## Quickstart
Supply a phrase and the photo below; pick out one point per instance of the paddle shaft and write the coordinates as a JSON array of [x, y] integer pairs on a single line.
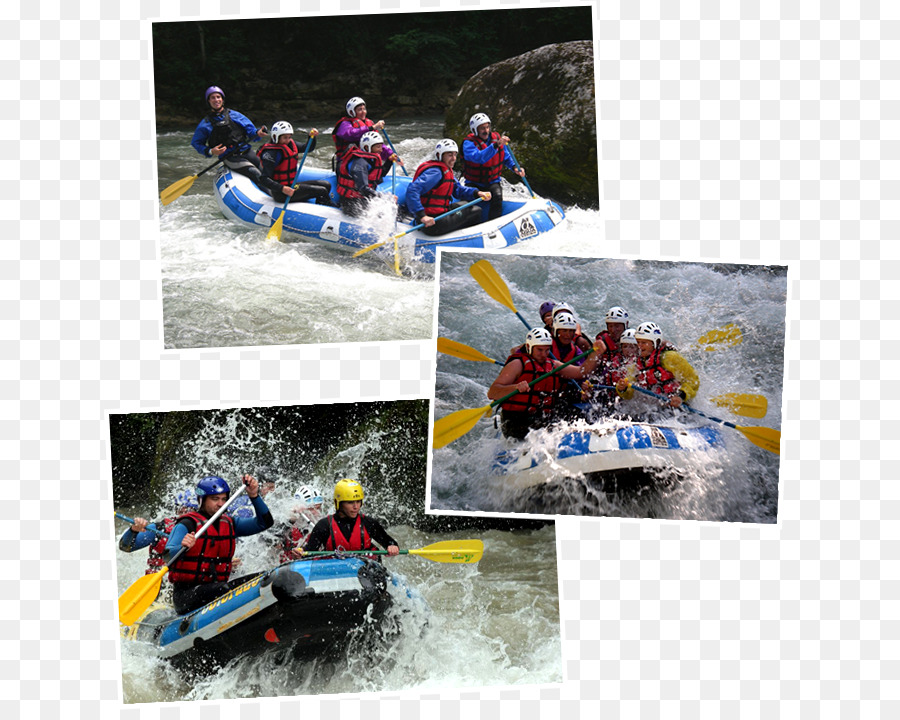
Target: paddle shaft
[[519, 167], [442, 215], [130, 521], [393, 149]]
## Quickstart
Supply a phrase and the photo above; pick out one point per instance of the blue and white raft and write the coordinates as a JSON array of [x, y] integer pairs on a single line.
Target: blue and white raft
[[612, 449], [300, 606], [241, 201]]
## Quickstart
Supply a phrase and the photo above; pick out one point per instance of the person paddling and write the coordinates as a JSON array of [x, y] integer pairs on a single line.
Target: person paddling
[[202, 573], [142, 533], [534, 406], [434, 189], [661, 369], [279, 160], [484, 156], [348, 132], [359, 172], [305, 513], [348, 528], [223, 131]]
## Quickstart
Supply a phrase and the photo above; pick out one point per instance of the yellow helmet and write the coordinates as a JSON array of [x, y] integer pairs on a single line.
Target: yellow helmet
[[347, 491]]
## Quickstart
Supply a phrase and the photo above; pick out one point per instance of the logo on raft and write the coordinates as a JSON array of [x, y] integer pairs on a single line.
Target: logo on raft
[[231, 594]]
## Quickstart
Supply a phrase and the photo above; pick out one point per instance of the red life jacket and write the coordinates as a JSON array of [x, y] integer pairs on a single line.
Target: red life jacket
[[287, 168], [540, 396], [654, 377], [346, 186], [612, 347], [437, 200], [562, 354], [340, 145], [156, 559], [210, 558], [484, 173], [359, 537], [291, 539]]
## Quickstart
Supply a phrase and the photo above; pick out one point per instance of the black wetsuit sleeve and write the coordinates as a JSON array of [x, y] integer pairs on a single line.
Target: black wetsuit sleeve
[[269, 160], [378, 533], [319, 535]]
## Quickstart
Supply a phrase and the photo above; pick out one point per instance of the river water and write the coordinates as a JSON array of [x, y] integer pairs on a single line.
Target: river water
[[493, 623], [226, 285], [686, 300]]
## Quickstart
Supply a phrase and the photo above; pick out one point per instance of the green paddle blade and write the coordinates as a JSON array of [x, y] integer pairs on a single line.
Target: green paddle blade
[[493, 284], [746, 404], [463, 352], [136, 599], [177, 189], [763, 437], [452, 551], [727, 336], [275, 231], [455, 425]]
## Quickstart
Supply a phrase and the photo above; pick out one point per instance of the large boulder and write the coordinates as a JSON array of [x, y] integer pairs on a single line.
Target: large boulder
[[544, 101]]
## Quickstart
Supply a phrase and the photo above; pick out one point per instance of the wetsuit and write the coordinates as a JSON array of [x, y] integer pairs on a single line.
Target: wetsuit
[[279, 167], [322, 532], [235, 132]]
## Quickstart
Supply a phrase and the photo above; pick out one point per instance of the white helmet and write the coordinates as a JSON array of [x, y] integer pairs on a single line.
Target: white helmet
[[563, 307], [564, 321], [308, 496], [535, 337], [476, 120], [628, 338], [617, 315], [649, 331], [282, 127], [352, 104], [445, 145], [369, 139]]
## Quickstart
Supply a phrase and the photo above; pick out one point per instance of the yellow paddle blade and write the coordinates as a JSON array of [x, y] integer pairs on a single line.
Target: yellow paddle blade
[[755, 406], [275, 231], [177, 189], [396, 256], [136, 599], [463, 352], [452, 551], [492, 283], [763, 437], [727, 336], [457, 424]]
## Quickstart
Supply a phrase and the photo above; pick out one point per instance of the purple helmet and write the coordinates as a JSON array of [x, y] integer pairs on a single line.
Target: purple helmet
[[213, 89], [545, 308]]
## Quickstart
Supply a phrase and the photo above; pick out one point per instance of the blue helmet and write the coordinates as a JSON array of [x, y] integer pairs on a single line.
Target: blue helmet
[[212, 485], [213, 89], [185, 500]]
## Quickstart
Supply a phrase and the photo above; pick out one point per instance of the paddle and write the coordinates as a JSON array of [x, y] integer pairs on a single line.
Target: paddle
[[727, 336], [763, 437], [393, 150], [755, 406], [464, 352], [130, 521], [455, 425], [493, 285], [415, 227], [275, 231], [180, 187], [446, 551], [519, 167], [136, 599]]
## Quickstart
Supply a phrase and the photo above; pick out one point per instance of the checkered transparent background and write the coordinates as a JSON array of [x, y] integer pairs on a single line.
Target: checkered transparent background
[[737, 133]]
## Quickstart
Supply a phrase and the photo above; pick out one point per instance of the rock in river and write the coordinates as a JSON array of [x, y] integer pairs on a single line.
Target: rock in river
[[544, 101]]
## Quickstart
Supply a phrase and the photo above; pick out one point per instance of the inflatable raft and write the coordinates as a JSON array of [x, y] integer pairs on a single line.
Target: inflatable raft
[[302, 606], [609, 453], [241, 201]]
